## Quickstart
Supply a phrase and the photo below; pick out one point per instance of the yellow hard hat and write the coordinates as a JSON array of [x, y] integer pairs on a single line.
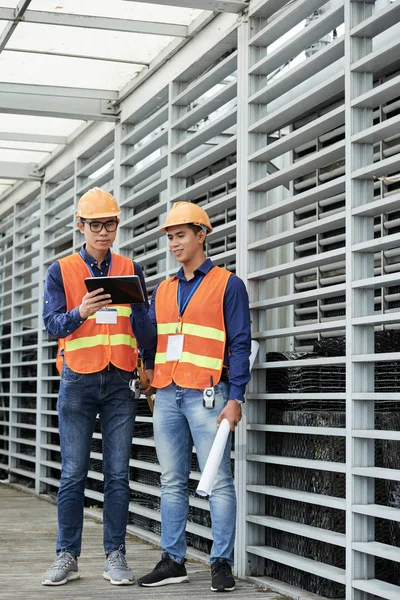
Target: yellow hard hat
[[97, 203], [184, 213]]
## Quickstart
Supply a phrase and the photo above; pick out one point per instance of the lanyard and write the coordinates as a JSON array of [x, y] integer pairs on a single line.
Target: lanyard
[[182, 307]]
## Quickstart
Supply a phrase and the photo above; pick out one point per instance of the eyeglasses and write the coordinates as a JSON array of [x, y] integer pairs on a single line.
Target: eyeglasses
[[97, 226]]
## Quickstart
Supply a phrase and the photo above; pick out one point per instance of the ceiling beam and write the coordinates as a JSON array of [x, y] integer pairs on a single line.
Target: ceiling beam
[[8, 136], [62, 102], [20, 171], [231, 6], [68, 55], [17, 15], [58, 91], [104, 23], [9, 29]]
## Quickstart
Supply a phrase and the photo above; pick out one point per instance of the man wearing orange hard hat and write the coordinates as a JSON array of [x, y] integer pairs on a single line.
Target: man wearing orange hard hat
[[201, 371], [96, 358]]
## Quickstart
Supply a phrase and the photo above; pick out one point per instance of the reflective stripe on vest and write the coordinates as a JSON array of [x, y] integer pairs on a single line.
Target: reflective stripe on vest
[[203, 327], [113, 343], [195, 359], [100, 340], [189, 328]]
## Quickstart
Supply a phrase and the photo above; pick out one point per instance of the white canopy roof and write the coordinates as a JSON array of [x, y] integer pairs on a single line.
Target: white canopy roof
[[65, 62]]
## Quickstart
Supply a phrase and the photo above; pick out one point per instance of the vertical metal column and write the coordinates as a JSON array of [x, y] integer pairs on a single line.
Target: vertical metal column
[[360, 302], [41, 386], [241, 271]]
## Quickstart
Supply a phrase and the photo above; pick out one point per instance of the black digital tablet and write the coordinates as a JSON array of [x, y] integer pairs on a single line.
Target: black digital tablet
[[124, 289]]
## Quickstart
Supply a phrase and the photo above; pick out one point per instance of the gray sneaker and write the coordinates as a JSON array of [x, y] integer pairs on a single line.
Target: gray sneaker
[[63, 569], [116, 570]]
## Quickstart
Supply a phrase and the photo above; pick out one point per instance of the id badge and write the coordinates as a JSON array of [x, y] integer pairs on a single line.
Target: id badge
[[174, 347], [106, 316]]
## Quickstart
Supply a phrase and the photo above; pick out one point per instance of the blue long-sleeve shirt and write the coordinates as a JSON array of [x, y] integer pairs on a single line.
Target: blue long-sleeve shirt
[[237, 325], [59, 322]]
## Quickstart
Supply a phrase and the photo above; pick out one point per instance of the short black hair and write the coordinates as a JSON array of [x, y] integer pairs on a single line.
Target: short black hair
[[196, 229]]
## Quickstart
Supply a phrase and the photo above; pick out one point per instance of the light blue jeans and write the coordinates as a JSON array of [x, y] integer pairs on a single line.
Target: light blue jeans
[[80, 399], [179, 421]]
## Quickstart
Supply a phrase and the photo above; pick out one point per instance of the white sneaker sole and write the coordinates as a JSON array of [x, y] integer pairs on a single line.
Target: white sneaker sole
[[70, 577], [121, 582], [171, 580], [221, 589]]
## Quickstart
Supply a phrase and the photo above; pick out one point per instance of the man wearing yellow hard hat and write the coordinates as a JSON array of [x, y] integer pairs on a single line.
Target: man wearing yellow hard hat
[[200, 373], [97, 354]]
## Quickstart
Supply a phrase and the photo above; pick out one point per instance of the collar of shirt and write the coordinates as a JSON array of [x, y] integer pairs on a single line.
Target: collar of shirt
[[92, 261], [202, 270]]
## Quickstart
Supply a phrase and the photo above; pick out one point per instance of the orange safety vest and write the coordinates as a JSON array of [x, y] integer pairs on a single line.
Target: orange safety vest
[[203, 327], [92, 346]]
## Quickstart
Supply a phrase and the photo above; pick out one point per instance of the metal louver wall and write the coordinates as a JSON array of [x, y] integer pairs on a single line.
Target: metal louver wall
[[284, 125]]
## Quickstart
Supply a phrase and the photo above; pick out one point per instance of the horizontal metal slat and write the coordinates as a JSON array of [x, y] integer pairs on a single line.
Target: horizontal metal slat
[[266, 9], [299, 562], [205, 109], [317, 294], [206, 184], [302, 463], [314, 228], [386, 204], [314, 97], [146, 215], [377, 473], [380, 589], [308, 262], [378, 21], [308, 132], [378, 511], [298, 496], [210, 156], [294, 13], [379, 95], [315, 161], [153, 167], [378, 60], [290, 331], [145, 127], [376, 245], [315, 30], [378, 169], [204, 134], [378, 132], [207, 81], [96, 163], [373, 434], [295, 76], [298, 429], [376, 282], [314, 533], [138, 154], [146, 193]]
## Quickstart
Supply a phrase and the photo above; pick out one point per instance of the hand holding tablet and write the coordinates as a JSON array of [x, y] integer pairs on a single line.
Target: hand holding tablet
[[123, 289]]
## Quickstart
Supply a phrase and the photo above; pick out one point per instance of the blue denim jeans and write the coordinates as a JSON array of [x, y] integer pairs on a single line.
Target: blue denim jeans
[[179, 421], [80, 399]]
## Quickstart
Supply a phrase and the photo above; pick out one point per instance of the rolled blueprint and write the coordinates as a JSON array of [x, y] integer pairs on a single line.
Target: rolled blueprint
[[214, 459], [217, 449], [254, 349]]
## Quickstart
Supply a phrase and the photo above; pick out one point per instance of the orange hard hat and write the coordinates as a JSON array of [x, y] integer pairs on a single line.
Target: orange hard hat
[[184, 213], [97, 203]]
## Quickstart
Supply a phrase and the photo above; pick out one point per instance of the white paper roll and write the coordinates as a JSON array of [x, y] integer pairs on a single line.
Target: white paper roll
[[214, 459], [254, 349]]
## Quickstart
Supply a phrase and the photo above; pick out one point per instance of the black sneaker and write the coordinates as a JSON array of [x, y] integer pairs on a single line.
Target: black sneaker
[[221, 576], [165, 572]]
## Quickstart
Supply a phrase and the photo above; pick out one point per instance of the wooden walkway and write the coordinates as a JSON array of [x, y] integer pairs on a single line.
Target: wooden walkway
[[27, 535]]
